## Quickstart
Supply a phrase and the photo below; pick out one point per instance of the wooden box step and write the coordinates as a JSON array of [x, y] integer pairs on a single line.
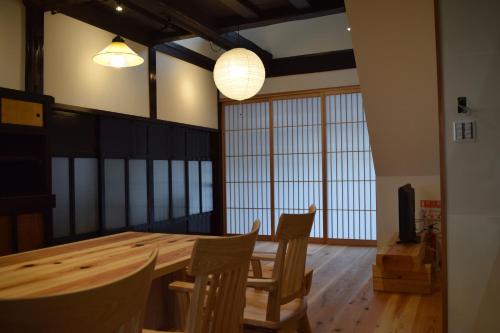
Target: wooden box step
[[401, 268]]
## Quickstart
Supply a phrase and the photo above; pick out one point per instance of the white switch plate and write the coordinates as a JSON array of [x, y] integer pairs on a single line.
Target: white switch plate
[[464, 131]]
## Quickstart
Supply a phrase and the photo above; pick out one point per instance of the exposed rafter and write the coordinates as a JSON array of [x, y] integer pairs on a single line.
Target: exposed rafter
[[312, 63], [300, 4], [183, 53], [242, 8], [164, 13]]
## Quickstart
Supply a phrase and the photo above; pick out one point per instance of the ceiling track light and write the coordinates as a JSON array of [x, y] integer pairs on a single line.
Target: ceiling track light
[[119, 7]]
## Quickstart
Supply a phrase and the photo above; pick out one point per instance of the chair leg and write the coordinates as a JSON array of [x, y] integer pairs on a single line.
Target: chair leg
[[304, 326]]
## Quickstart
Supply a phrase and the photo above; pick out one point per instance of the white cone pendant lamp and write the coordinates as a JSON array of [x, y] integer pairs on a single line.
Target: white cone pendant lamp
[[239, 74], [118, 55]]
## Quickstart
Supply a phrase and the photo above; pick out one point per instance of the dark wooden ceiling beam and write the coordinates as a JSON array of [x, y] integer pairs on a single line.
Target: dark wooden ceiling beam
[[312, 63], [243, 8], [185, 54], [105, 18], [300, 4], [280, 16], [198, 27]]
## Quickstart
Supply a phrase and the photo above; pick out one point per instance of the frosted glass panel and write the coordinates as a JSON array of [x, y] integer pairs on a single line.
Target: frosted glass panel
[[247, 161], [178, 189], [351, 175], [138, 192], [207, 187], [298, 174], [194, 187], [60, 188], [160, 185], [86, 195], [114, 193]]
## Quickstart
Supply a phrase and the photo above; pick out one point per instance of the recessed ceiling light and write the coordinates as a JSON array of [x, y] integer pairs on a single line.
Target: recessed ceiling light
[[119, 8], [348, 28]]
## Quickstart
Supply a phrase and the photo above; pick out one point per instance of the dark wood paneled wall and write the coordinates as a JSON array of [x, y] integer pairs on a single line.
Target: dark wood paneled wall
[[82, 133]]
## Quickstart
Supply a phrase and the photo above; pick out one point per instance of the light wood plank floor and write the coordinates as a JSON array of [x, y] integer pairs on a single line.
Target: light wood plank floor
[[342, 298]]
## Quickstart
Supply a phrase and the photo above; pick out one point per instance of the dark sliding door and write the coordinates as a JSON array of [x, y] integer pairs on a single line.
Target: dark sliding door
[[114, 173]]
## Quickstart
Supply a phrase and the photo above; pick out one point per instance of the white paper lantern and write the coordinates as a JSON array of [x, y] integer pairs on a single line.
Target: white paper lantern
[[239, 74]]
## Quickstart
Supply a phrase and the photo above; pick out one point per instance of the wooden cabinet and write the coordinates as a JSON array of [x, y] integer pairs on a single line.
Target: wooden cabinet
[[25, 191], [17, 112]]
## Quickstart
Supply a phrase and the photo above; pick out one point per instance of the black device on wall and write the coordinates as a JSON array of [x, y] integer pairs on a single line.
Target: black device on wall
[[407, 229]]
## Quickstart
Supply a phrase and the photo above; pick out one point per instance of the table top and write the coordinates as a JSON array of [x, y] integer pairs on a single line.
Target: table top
[[89, 263]]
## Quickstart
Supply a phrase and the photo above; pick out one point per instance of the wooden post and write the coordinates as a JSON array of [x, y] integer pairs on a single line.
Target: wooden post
[[153, 112], [33, 75]]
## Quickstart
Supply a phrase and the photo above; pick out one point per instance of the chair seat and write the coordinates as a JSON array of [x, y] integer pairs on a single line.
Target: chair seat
[[256, 306]]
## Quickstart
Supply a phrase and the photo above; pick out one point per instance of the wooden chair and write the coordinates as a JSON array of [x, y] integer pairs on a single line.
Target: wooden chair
[[278, 303], [220, 269], [112, 307]]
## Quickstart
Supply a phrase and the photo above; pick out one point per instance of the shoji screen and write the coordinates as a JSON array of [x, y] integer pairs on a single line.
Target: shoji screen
[[351, 175], [297, 158], [247, 167], [318, 148]]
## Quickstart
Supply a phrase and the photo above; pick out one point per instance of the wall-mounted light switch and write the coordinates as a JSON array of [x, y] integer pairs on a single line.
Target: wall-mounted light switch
[[464, 131]]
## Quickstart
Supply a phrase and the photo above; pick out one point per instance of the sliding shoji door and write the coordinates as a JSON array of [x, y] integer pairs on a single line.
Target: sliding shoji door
[[350, 170], [309, 149], [247, 167], [297, 158]]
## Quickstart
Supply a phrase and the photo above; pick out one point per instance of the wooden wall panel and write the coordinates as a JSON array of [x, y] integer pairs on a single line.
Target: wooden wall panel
[[6, 241], [30, 232]]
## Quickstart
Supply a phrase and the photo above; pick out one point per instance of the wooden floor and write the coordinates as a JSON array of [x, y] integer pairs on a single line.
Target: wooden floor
[[342, 298]]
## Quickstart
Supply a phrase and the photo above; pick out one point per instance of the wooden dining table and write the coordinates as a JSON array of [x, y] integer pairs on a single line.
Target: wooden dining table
[[88, 263]]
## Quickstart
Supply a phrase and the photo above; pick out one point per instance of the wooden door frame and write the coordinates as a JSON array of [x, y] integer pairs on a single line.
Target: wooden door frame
[[442, 170]]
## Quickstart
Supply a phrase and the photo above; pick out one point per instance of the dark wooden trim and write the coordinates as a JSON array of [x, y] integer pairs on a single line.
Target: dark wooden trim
[[150, 191], [200, 187], [26, 204], [312, 63], [183, 53], [97, 112], [127, 196], [14, 233], [33, 75], [101, 183], [170, 199], [153, 106], [186, 192], [72, 215]]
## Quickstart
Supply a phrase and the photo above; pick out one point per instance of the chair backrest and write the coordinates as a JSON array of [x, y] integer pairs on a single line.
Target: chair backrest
[[113, 307], [292, 235], [220, 267]]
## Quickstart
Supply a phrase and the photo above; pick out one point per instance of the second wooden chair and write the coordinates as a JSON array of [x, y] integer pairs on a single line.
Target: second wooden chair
[[278, 303]]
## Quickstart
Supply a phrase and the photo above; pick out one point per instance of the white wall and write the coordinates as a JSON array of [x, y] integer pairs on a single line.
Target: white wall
[[12, 45], [470, 57], [395, 49], [426, 188], [73, 78], [341, 78], [186, 93], [320, 34], [202, 46]]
